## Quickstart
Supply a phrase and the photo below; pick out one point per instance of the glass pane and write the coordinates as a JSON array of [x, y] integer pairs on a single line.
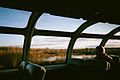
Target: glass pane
[[111, 43], [13, 18], [100, 28], [58, 23], [84, 48], [112, 48], [48, 50], [117, 34], [10, 50]]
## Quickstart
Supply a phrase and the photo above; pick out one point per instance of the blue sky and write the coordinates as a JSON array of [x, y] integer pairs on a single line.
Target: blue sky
[[13, 18], [19, 19]]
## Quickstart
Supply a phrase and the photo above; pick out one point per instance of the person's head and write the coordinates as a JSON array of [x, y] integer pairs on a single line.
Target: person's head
[[100, 50]]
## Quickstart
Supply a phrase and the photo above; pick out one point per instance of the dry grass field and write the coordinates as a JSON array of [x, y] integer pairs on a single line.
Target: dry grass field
[[12, 56]]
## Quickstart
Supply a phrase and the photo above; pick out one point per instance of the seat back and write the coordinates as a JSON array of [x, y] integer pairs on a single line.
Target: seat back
[[23, 65], [30, 71]]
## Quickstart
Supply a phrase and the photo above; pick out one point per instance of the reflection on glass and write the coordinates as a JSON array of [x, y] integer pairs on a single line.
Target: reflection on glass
[[48, 50]]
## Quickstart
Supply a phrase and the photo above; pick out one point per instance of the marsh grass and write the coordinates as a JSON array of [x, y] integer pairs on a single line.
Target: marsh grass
[[12, 56], [47, 56]]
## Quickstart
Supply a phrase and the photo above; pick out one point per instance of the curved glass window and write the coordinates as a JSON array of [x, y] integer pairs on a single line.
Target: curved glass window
[[86, 43], [111, 43], [100, 28], [58, 23], [113, 47], [47, 50], [11, 49], [14, 18], [84, 48], [117, 34]]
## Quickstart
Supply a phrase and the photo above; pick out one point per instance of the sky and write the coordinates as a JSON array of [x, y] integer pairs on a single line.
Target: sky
[[19, 19]]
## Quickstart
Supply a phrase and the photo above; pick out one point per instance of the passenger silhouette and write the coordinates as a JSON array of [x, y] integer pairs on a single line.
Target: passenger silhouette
[[114, 63], [100, 54]]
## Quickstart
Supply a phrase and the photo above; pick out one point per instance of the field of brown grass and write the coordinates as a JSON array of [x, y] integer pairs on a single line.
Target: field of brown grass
[[12, 56], [47, 56]]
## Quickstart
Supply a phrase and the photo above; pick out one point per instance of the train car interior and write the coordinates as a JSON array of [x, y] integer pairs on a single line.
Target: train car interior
[[57, 40]]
